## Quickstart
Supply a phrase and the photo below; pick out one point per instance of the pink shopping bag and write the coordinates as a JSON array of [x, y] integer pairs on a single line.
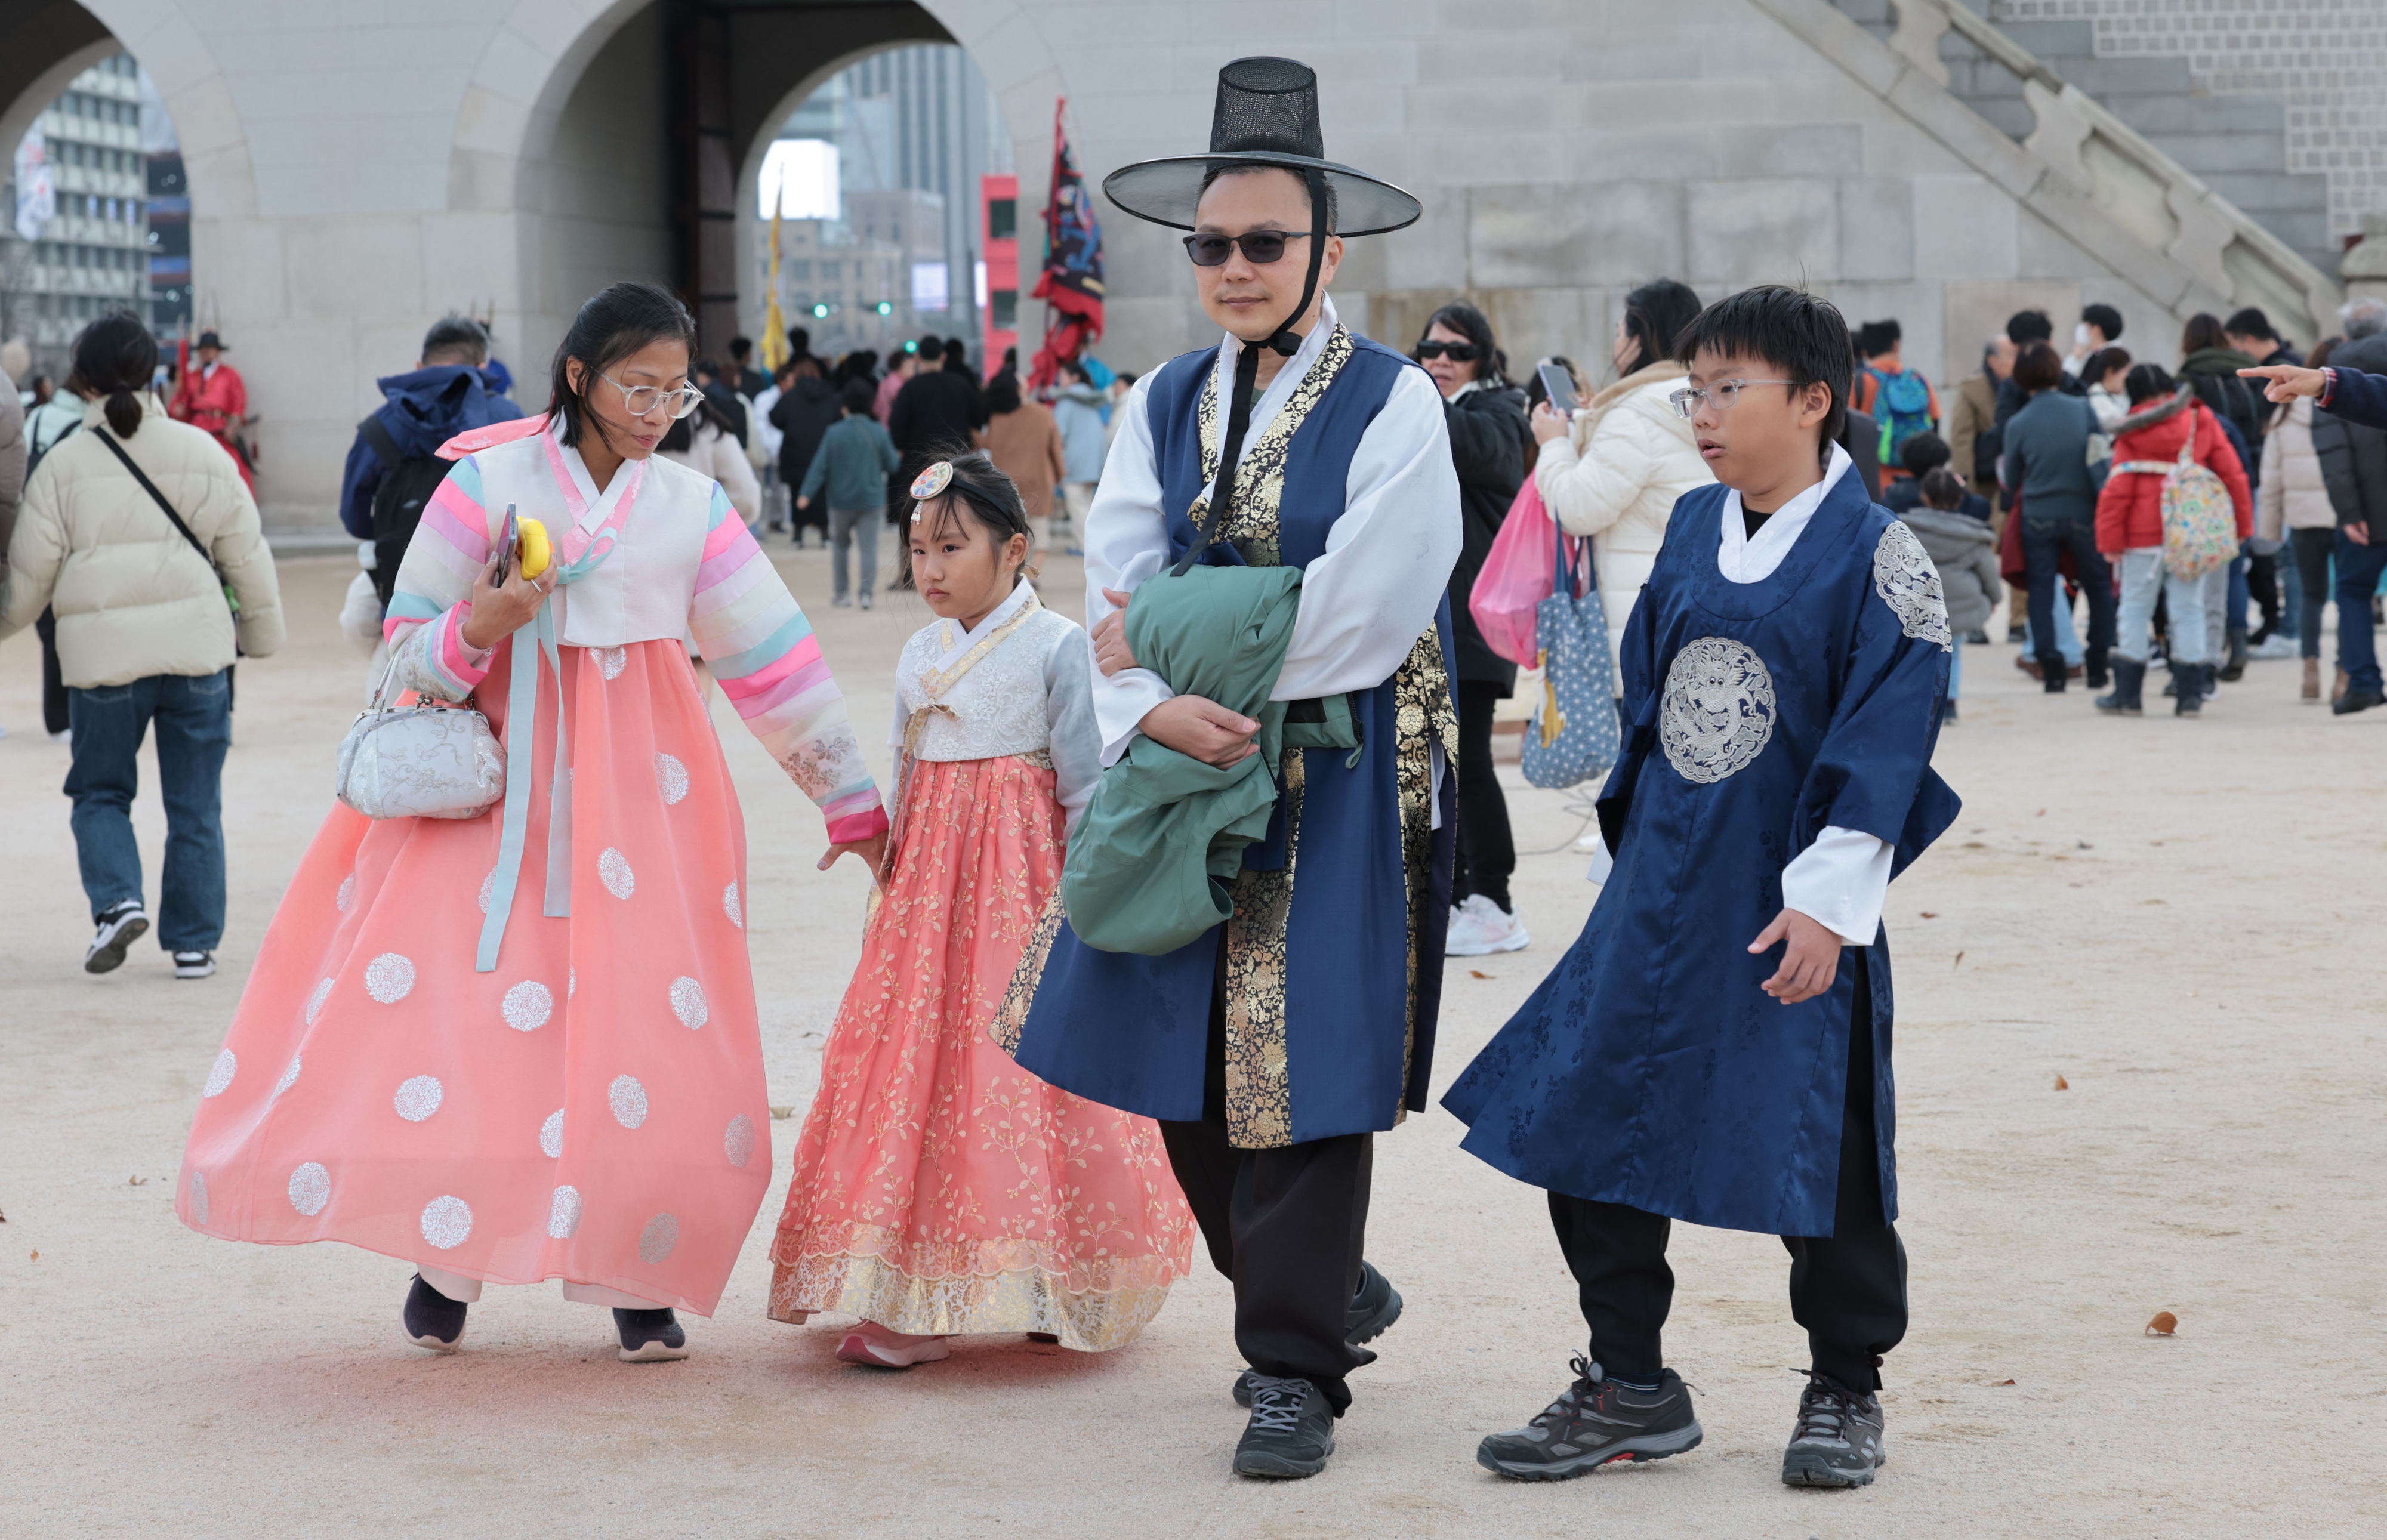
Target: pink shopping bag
[[1516, 576]]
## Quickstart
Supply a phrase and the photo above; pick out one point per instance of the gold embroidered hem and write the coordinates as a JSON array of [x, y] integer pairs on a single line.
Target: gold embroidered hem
[[1092, 1306]]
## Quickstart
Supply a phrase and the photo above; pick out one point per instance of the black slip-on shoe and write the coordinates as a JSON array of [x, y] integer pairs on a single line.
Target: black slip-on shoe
[[1596, 1422], [1837, 1442], [431, 1318], [1290, 1432], [2344, 705], [650, 1336], [1374, 1310], [120, 926]]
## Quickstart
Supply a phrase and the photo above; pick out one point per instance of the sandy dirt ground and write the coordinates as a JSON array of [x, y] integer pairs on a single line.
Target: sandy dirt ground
[[2179, 919]]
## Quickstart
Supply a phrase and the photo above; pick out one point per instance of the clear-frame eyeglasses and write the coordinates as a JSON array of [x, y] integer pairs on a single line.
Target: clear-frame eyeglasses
[[1723, 393], [641, 400]]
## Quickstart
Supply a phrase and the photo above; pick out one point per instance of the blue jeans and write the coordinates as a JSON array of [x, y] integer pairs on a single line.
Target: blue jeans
[[193, 720], [2359, 569], [2043, 544]]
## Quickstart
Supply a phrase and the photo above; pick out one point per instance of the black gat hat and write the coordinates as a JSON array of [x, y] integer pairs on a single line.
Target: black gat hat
[[1265, 114]]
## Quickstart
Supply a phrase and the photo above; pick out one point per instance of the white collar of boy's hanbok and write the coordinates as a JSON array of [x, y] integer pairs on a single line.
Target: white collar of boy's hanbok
[[1743, 560], [957, 641]]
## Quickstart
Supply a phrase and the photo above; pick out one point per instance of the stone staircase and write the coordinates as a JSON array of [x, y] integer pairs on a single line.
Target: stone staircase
[[2235, 144]]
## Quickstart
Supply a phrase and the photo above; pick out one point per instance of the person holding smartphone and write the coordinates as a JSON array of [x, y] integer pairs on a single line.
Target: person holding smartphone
[[1614, 470]]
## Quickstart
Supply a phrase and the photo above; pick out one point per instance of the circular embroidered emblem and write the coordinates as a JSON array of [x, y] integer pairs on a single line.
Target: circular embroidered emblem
[[1909, 584], [1718, 713]]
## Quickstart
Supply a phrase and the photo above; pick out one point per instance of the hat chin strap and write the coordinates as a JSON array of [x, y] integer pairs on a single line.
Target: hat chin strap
[[1286, 343]]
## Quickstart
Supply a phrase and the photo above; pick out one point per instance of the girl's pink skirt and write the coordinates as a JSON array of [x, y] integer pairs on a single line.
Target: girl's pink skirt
[[594, 1110], [938, 1187]]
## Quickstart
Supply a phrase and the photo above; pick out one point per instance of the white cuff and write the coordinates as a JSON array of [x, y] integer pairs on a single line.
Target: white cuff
[[1840, 882]]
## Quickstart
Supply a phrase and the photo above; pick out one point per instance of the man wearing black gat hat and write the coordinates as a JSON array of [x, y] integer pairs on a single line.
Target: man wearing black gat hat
[[1274, 1046]]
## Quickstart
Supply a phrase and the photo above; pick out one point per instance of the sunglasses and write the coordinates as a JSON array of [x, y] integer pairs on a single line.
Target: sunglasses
[[1260, 246], [1458, 352]]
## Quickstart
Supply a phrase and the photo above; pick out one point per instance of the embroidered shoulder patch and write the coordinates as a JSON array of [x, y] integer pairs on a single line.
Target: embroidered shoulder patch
[[1718, 711], [1909, 584]]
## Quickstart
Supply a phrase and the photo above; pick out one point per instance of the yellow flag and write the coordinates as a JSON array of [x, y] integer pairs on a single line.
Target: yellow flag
[[775, 325]]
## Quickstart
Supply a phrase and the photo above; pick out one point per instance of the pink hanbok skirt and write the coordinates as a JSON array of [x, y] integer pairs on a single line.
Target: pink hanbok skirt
[[940, 1188], [594, 1110]]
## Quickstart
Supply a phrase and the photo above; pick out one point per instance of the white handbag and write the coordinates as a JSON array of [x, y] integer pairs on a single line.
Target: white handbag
[[420, 762]]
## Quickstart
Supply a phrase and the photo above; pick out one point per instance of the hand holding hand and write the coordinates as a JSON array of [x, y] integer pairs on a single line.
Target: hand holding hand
[[1550, 423], [872, 852], [1808, 963], [1201, 730], [1111, 652], [2285, 381], [499, 611]]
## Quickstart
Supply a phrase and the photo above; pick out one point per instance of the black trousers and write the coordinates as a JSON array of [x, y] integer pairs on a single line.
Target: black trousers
[[1488, 851], [1287, 1226], [1847, 1289]]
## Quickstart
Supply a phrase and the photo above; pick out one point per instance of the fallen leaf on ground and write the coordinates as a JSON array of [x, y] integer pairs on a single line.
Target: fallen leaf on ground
[[1477, 973], [2084, 844], [1930, 914], [37, 1257], [2063, 1084], [2163, 1325], [2040, 814], [136, 1182], [1957, 964], [785, 1112], [2005, 1381]]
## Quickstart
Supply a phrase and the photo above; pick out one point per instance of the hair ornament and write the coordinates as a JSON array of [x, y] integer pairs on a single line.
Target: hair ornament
[[930, 482]]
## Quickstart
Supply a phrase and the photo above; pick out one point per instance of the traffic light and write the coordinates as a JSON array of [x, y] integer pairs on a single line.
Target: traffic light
[[820, 312], [886, 307]]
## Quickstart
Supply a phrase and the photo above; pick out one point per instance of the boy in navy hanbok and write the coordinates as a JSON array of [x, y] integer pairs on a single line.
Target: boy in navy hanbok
[[1784, 673]]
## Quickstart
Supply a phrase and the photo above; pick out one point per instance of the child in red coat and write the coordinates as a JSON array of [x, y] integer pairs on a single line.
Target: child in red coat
[[2163, 418]]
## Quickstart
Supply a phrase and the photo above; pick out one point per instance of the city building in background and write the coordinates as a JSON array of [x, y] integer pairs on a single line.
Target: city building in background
[[77, 241], [998, 276], [875, 183]]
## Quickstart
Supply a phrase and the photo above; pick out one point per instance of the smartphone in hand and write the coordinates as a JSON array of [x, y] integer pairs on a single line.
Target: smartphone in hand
[[509, 542], [1559, 385]]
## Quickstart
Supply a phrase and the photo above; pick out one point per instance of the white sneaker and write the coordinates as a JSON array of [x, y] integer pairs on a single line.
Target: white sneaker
[[2275, 645], [876, 1347], [1480, 928]]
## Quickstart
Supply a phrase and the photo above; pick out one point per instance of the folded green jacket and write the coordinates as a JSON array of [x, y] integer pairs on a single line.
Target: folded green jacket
[[1149, 865]]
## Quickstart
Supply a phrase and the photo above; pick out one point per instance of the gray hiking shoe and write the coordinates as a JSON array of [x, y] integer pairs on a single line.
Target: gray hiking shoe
[[1290, 1432], [1837, 1442], [1374, 1310], [1593, 1423]]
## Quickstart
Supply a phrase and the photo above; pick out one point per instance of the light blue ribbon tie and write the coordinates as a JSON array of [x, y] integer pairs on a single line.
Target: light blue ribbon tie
[[534, 637]]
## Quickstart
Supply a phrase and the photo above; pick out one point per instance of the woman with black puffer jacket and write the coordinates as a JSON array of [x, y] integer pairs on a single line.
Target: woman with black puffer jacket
[[1491, 445]]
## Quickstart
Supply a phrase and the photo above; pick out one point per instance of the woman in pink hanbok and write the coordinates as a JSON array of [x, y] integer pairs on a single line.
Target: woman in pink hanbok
[[415, 1068], [939, 1189]]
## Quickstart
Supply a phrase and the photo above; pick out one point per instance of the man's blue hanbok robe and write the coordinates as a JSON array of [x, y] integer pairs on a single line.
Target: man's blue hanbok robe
[[1650, 1069]]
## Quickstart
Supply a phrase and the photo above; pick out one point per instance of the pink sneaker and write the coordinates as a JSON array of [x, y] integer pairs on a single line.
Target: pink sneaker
[[875, 1346]]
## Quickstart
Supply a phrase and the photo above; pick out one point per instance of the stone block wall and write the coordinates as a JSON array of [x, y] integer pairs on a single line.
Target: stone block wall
[[2327, 60]]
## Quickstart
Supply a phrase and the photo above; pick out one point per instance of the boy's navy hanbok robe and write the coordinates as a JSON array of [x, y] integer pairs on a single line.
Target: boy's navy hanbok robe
[[1650, 1069]]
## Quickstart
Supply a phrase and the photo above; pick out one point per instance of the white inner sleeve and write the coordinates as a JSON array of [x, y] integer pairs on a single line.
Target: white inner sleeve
[[1840, 881]]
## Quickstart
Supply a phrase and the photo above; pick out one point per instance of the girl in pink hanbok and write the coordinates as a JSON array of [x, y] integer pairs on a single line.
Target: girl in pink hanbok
[[414, 1067], [939, 1189]]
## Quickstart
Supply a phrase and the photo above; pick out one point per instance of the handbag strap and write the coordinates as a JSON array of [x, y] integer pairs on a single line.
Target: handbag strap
[[160, 498]]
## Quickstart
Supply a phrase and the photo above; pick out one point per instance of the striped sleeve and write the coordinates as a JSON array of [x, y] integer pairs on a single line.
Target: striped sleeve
[[424, 625], [767, 660]]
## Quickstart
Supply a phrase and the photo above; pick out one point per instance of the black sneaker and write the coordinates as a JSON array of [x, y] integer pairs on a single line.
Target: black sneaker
[[1593, 1423], [1837, 1442], [194, 964], [1374, 1310], [120, 926], [432, 1320], [650, 1336], [1290, 1432]]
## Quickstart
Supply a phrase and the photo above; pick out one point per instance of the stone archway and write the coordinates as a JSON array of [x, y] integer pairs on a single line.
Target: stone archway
[[512, 169]]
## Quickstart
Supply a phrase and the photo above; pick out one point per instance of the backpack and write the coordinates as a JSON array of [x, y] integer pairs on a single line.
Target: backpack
[[407, 483], [2200, 523], [1902, 402]]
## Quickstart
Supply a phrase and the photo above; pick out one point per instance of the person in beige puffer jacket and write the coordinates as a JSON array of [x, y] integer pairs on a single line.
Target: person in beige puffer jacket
[[1615, 472], [145, 636], [2292, 505]]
